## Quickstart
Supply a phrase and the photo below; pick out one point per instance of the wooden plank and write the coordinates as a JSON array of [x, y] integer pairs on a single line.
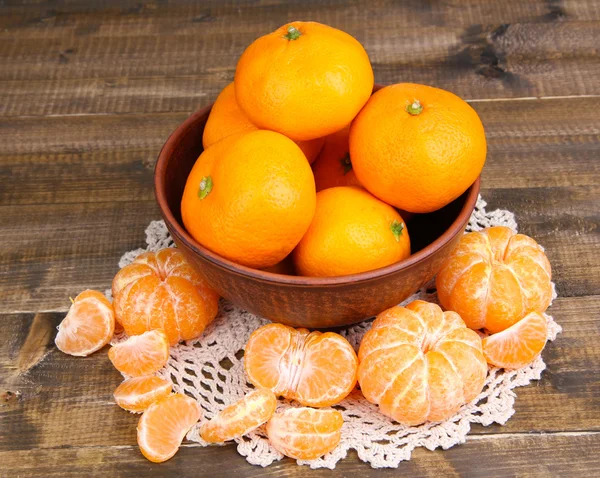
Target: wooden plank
[[87, 177], [56, 401], [524, 455], [112, 74], [81, 17], [505, 122], [49, 252]]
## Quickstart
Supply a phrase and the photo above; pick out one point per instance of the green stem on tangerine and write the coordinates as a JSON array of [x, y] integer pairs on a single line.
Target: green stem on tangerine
[[397, 228], [292, 33], [346, 164], [414, 108], [206, 185]]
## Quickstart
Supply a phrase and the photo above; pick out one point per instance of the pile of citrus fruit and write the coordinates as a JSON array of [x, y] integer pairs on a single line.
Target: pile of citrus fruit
[[302, 96]]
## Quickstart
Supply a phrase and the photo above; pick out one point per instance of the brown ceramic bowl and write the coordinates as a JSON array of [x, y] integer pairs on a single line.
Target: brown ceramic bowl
[[312, 302]]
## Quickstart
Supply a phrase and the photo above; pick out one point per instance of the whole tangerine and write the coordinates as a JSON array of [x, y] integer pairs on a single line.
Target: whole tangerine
[[305, 80], [250, 198], [417, 147], [352, 231]]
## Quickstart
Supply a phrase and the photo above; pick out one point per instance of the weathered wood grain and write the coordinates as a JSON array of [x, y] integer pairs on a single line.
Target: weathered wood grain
[[49, 252], [82, 17], [55, 400], [541, 119], [555, 455], [121, 74]]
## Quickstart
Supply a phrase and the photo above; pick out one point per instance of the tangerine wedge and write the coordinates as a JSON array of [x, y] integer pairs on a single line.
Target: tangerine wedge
[[316, 369], [138, 393], [164, 424], [141, 354], [88, 326], [518, 345], [241, 417], [305, 433]]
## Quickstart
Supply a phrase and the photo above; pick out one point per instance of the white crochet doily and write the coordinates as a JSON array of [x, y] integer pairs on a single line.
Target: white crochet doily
[[211, 370]]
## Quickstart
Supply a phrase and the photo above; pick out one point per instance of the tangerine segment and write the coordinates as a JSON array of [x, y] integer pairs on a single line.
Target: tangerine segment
[[161, 291], [305, 433], [141, 354], [494, 277], [420, 364], [164, 424], [88, 326], [316, 369], [518, 345], [241, 417], [138, 393]]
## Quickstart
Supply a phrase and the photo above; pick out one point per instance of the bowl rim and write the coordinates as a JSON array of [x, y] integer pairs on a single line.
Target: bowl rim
[[281, 279]]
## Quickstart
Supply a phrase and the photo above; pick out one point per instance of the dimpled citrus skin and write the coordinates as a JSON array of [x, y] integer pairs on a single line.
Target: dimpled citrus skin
[[418, 163], [226, 118], [333, 166], [420, 364], [494, 277], [261, 202], [306, 87], [160, 290], [351, 232]]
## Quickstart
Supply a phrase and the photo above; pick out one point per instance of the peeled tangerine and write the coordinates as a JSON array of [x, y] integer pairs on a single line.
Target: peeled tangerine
[[164, 425], [141, 354], [89, 325], [161, 291], [420, 364], [241, 417], [305, 433], [316, 369], [494, 278], [518, 345], [138, 393]]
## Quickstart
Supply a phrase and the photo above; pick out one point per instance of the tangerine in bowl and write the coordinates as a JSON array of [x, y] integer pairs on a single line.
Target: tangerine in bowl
[[294, 300]]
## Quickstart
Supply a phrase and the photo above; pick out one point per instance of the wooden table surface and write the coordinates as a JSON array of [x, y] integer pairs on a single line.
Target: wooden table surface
[[89, 91]]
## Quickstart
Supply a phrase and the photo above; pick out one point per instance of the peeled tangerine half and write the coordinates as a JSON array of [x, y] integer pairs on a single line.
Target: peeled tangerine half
[[518, 345], [305, 433], [494, 278], [141, 354], [89, 325], [164, 425], [420, 364], [138, 393], [316, 369], [241, 417], [161, 291]]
